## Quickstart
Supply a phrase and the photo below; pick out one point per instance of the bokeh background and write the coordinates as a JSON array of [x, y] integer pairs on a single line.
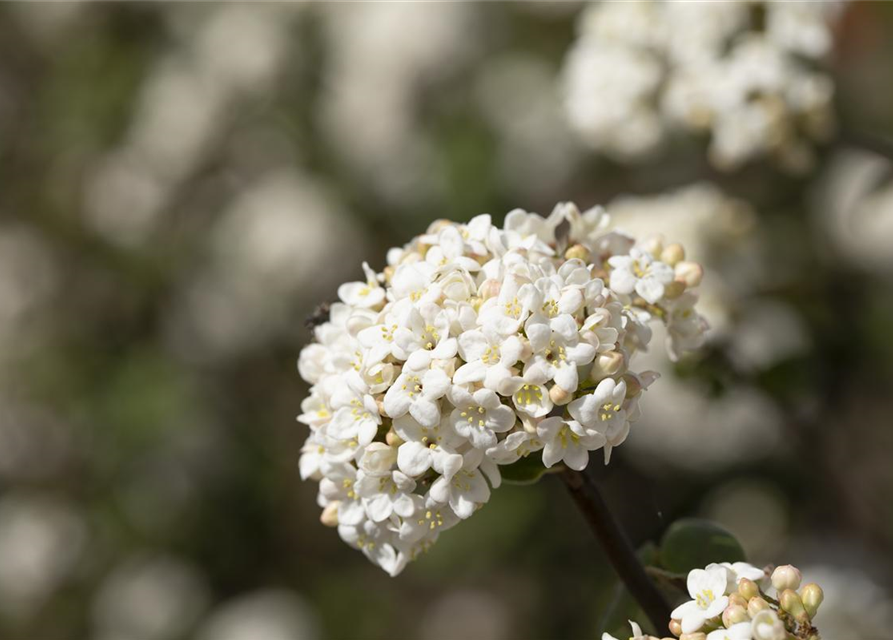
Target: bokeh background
[[182, 184]]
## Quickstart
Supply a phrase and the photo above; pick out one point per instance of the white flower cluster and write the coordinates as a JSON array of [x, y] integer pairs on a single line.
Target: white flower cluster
[[733, 602], [475, 347], [741, 71]]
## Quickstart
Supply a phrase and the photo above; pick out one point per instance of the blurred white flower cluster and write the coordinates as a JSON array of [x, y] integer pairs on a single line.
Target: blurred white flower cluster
[[475, 347], [733, 602], [743, 72]]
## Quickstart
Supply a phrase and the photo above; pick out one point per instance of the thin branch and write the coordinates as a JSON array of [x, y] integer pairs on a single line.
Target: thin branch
[[617, 547]]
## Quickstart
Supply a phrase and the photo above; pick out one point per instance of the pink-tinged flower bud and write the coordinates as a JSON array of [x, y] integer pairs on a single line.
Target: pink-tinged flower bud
[[786, 577], [812, 596], [791, 602], [393, 439], [489, 289], [329, 515], [606, 364], [755, 605], [690, 273], [748, 588], [675, 627], [734, 614], [693, 636], [559, 396]]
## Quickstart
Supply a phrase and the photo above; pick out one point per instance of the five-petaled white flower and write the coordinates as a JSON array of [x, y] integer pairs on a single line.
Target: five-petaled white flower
[[707, 587], [641, 273], [479, 416], [567, 441], [418, 394]]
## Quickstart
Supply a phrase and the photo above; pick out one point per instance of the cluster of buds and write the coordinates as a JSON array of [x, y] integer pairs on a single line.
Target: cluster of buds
[[742, 602], [474, 347]]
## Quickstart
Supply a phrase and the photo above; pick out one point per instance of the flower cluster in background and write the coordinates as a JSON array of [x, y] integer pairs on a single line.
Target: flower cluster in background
[[745, 73], [475, 347], [742, 602]]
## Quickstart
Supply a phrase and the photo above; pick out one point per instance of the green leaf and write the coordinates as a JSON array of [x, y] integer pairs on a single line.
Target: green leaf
[[526, 470], [693, 543]]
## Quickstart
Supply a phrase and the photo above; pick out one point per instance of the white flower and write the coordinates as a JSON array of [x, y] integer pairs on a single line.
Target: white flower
[[386, 495], [417, 394], [738, 570], [422, 338], [602, 410], [739, 631], [362, 294], [707, 587], [641, 273], [767, 626], [533, 399], [567, 441], [557, 351], [480, 416], [338, 485], [490, 359], [356, 423], [465, 490]]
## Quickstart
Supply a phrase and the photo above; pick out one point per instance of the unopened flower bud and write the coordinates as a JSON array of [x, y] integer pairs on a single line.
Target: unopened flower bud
[[379, 404], [447, 365], [606, 364], [559, 396], [489, 289], [393, 439], [378, 458], [755, 605], [693, 636], [675, 627], [577, 251], [812, 596], [734, 614], [748, 588], [786, 577], [674, 290], [690, 273], [737, 598], [652, 245], [329, 515], [388, 272], [791, 602], [672, 254], [439, 225]]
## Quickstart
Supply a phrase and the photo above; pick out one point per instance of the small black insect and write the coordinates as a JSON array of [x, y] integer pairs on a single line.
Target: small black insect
[[319, 316]]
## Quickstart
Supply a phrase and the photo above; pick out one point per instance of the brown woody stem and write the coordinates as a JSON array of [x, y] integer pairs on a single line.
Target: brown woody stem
[[617, 547]]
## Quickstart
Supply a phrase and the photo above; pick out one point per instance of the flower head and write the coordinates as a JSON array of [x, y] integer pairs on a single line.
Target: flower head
[[477, 346]]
